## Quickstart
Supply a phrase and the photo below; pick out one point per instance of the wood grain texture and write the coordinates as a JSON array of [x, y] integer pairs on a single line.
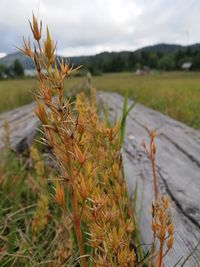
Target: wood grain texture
[[23, 124], [178, 168]]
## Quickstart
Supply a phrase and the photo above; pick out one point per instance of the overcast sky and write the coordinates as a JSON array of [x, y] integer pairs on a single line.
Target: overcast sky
[[85, 27]]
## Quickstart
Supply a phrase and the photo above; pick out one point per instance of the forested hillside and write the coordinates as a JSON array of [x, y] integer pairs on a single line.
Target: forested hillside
[[160, 56]]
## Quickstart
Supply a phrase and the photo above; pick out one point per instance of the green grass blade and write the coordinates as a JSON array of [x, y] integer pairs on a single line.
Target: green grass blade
[[125, 112]]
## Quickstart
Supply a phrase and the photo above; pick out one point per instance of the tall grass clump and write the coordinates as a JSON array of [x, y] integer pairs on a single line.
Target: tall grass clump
[[90, 186], [88, 154]]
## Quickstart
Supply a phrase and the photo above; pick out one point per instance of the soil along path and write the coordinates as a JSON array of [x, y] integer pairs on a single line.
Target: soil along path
[[178, 168]]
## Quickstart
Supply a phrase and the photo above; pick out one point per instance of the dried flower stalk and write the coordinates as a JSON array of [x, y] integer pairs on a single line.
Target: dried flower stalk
[[161, 218], [88, 153]]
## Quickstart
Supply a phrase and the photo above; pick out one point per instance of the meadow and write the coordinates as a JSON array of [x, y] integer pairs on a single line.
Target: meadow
[[176, 94], [17, 92]]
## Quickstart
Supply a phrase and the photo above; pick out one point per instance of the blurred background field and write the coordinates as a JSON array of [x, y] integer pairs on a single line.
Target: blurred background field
[[176, 94], [17, 92]]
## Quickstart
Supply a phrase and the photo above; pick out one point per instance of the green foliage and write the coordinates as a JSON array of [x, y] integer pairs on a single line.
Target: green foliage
[[6, 72], [15, 70], [125, 112], [2, 71], [166, 63], [18, 68], [160, 57]]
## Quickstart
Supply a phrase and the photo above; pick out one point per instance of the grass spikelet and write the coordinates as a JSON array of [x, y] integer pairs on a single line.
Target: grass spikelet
[[35, 28]]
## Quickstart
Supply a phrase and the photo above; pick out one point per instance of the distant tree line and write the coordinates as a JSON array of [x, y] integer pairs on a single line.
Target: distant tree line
[[167, 60], [130, 61], [15, 70]]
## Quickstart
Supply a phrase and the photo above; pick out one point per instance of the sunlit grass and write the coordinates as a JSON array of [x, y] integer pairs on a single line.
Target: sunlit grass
[[15, 93], [174, 94]]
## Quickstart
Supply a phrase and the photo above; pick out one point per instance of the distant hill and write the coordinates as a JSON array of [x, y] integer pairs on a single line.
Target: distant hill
[[102, 59], [24, 60], [27, 63], [163, 48], [168, 48]]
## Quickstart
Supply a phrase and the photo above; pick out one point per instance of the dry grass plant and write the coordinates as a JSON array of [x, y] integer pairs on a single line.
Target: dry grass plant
[[162, 226], [90, 162], [91, 187]]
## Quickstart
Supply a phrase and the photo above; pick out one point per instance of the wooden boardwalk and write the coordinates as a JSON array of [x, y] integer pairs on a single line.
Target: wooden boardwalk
[[178, 168]]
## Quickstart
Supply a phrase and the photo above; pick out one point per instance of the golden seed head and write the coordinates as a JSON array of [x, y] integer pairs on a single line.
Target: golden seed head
[[41, 112], [115, 169], [45, 93], [80, 156], [83, 189], [130, 226], [49, 49], [161, 233], [59, 195], [88, 168], [35, 28], [170, 229], [170, 242], [26, 49], [57, 76], [154, 226], [165, 202], [65, 68]]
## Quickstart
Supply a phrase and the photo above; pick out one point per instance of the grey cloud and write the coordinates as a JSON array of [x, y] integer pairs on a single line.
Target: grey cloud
[[93, 25]]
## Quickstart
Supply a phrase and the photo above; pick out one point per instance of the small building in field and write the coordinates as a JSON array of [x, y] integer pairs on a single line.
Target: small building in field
[[143, 70], [186, 66]]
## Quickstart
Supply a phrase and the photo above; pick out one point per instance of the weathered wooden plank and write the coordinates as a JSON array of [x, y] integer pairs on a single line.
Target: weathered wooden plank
[[178, 170], [22, 123]]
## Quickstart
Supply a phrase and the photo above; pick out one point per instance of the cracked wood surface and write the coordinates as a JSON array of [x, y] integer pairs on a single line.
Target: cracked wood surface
[[178, 168], [178, 171]]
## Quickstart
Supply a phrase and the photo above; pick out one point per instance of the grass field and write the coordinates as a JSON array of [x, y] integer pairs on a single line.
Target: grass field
[[14, 93], [174, 94]]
